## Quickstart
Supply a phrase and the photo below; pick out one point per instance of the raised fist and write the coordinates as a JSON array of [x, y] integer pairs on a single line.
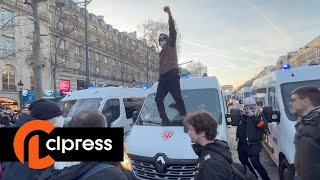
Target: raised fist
[[166, 9]]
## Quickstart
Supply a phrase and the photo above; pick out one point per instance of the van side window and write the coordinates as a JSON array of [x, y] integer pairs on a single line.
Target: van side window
[[111, 110], [132, 104], [259, 95], [273, 101]]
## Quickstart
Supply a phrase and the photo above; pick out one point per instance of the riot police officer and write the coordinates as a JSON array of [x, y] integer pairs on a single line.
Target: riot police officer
[[249, 136]]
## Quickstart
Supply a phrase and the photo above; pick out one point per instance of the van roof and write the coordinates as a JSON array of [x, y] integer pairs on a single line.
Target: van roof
[[105, 92], [303, 73], [194, 83]]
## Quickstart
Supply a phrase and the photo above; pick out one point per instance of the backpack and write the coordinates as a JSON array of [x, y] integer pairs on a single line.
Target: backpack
[[241, 172], [94, 169]]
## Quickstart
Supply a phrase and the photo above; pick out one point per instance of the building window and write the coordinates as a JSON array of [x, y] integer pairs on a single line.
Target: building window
[[78, 65], [97, 57], [106, 59], [62, 44], [60, 26], [31, 26], [8, 45], [77, 50], [63, 61], [76, 33], [98, 70], [6, 18], [95, 28], [113, 62], [9, 78]]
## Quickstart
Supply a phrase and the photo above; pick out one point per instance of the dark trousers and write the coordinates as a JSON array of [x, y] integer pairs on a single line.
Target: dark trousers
[[252, 152], [169, 82]]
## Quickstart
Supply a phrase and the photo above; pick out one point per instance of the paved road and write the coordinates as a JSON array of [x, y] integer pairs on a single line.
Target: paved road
[[267, 162]]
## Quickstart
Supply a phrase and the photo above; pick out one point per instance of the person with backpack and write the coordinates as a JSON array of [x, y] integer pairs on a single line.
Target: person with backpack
[[215, 160], [249, 135], [84, 170], [305, 103]]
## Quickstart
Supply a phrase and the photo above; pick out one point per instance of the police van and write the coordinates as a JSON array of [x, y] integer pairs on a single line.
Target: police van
[[154, 151], [273, 91], [117, 104], [244, 93]]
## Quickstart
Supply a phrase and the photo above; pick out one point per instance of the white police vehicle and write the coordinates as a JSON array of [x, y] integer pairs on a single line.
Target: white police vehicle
[[273, 91], [116, 103], [164, 152]]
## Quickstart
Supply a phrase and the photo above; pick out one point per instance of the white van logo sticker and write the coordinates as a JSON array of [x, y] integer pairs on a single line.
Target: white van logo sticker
[[167, 135]]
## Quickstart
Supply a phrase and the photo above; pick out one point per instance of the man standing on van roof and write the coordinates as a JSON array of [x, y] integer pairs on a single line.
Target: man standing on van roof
[[305, 102], [169, 80]]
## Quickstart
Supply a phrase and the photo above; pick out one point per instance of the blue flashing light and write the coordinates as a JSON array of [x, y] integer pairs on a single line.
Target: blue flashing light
[[144, 86], [185, 75], [286, 66]]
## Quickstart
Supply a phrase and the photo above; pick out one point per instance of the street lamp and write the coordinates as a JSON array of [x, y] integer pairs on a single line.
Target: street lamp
[[20, 85]]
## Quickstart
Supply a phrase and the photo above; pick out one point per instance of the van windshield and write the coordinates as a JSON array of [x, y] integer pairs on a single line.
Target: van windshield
[[71, 107], [246, 94], [286, 90], [194, 99]]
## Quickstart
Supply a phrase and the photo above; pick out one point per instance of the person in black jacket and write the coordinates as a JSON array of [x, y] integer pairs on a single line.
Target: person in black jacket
[[42, 110], [81, 170], [305, 103], [249, 136], [215, 158]]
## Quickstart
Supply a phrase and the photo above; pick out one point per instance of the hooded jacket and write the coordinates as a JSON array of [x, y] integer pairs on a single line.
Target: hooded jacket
[[78, 170], [168, 54], [214, 161], [17, 170], [307, 142]]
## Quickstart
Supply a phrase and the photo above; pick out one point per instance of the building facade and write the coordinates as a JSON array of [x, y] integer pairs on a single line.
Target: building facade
[[115, 58]]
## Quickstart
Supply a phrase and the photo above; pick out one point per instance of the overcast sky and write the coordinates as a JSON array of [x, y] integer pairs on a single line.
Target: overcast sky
[[234, 38]]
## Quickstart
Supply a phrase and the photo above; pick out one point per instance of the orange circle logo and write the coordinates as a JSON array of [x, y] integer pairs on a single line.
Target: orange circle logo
[[33, 145]]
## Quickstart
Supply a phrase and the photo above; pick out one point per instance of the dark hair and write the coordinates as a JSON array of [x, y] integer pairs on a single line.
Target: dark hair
[[312, 93], [88, 118], [203, 122]]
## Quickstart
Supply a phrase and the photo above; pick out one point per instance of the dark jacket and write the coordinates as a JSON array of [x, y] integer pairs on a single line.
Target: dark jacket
[[76, 171], [251, 129], [214, 161], [168, 54], [307, 142], [17, 170], [5, 121]]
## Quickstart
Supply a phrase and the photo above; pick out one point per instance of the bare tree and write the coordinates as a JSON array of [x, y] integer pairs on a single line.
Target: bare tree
[[150, 30], [196, 68], [64, 26], [36, 51], [149, 33]]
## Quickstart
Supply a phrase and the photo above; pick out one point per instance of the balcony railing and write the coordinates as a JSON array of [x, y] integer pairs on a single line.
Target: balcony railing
[[9, 88]]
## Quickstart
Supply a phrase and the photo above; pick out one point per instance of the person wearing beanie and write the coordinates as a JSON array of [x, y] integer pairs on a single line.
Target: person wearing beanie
[[39, 110]]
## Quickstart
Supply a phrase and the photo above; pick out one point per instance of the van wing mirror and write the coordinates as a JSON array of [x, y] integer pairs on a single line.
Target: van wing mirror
[[270, 115], [135, 116], [235, 117]]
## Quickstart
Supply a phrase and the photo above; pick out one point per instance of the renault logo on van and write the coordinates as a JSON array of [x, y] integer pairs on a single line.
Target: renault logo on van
[[160, 164]]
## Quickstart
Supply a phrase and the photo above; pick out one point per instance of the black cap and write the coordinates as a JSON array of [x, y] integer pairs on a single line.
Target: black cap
[[44, 109]]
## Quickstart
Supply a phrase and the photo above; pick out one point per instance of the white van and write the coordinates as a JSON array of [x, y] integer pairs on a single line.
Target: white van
[[116, 103], [165, 152], [244, 93], [273, 91]]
